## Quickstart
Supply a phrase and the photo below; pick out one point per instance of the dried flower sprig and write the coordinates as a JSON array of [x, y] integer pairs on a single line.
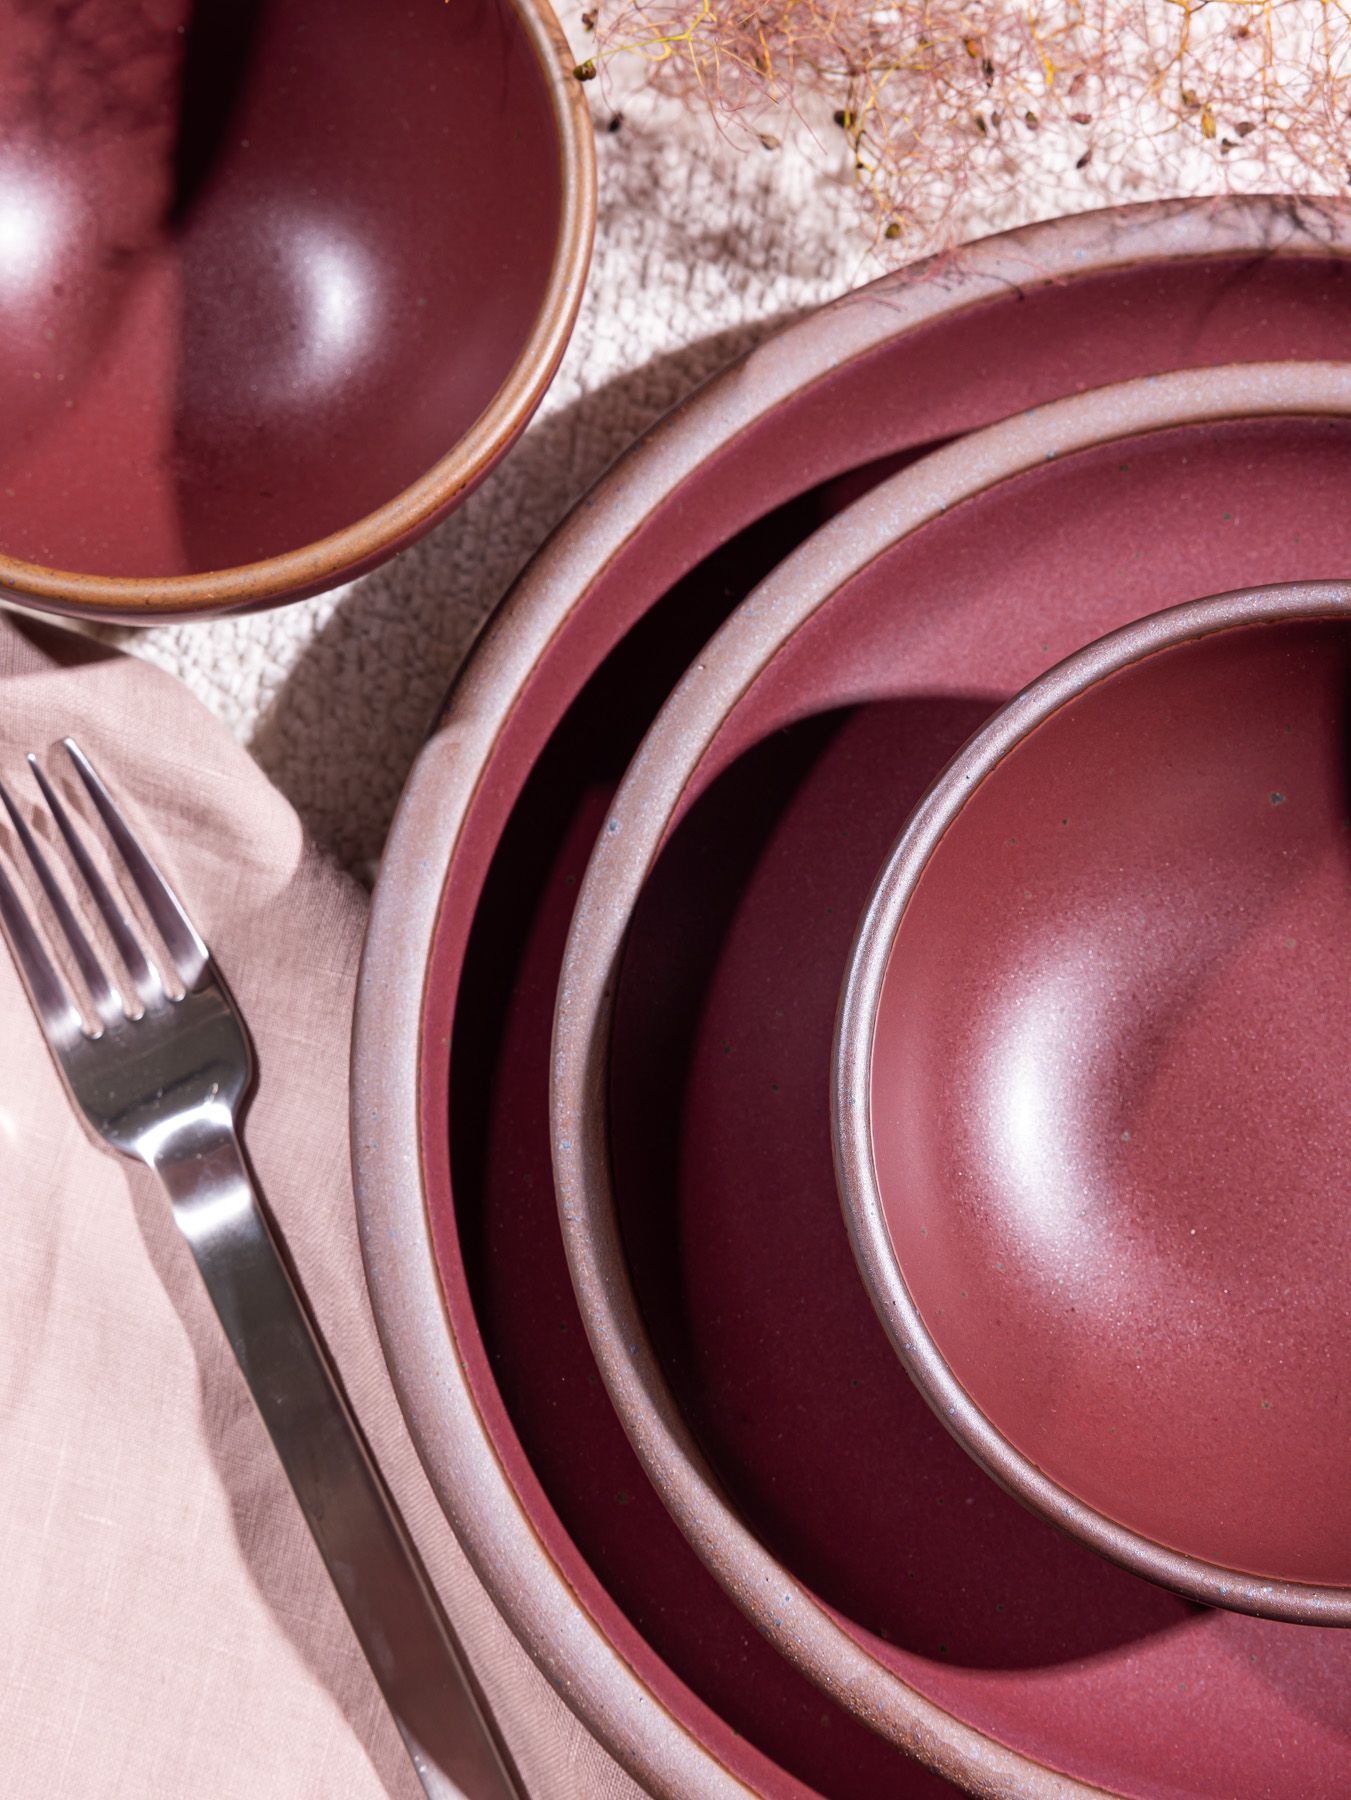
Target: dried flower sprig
[[938, 102]]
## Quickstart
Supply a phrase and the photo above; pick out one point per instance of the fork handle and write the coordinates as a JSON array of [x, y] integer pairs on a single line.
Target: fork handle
[[417, 1661]]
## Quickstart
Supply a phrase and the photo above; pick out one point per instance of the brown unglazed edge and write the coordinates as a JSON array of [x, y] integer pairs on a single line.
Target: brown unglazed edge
[[647, 804], [883, 1274], [359, 546], [453, 1439]]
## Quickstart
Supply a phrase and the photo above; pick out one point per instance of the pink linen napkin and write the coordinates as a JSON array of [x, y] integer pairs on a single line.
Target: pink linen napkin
[[167, 1630]]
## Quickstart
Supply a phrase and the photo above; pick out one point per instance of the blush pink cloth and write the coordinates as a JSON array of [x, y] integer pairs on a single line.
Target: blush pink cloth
[[167, 1631]]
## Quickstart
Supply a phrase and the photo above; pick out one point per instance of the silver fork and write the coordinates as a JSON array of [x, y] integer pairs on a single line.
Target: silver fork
[[164, 1081]]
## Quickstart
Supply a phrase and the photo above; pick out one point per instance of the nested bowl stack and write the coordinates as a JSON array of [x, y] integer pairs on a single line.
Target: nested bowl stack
[[903, 1599]]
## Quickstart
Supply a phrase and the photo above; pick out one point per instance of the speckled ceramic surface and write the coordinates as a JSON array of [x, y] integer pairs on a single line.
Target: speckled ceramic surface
[[1093, 1097], [450, 1124], [917, 601], [267, 310]]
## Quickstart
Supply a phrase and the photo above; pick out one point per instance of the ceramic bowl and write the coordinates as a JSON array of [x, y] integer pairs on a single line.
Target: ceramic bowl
[[1093, 1097], [278, 286]]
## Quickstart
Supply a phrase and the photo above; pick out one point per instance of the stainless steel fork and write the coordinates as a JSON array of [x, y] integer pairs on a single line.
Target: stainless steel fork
[[163, 1080]]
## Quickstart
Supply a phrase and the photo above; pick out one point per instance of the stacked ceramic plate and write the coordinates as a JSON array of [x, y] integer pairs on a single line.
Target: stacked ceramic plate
[[597, 1063]]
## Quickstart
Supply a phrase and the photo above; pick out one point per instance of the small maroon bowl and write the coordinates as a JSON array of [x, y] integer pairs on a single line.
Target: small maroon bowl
[[279, 284], [1093, 1099]]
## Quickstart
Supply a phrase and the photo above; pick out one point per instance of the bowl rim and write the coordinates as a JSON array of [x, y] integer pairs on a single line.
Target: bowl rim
[[343, 554], [880, 1264], [456, 1441], [780, 1605]]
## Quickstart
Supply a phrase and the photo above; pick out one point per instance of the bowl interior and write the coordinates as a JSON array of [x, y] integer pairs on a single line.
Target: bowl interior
[[1109, 1097], [261, 266]]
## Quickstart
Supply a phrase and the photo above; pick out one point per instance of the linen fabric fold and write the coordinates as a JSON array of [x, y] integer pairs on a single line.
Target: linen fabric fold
[[167, 1629]]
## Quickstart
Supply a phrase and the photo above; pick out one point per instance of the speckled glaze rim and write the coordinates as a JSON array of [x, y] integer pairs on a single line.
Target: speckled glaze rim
[[488, 1515], [646, 806], [856, 1172], [343, 554]]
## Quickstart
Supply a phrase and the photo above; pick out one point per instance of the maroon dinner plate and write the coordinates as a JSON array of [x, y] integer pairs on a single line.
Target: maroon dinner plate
[[451, 1131]]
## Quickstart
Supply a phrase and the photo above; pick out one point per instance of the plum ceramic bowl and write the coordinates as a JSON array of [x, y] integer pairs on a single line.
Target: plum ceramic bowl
[[278, 285], [1093, 1098]]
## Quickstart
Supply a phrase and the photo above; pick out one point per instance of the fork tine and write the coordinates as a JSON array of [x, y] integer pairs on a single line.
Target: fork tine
[[106, 1002], [180, 936], [144, 977], [54, 1007]]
